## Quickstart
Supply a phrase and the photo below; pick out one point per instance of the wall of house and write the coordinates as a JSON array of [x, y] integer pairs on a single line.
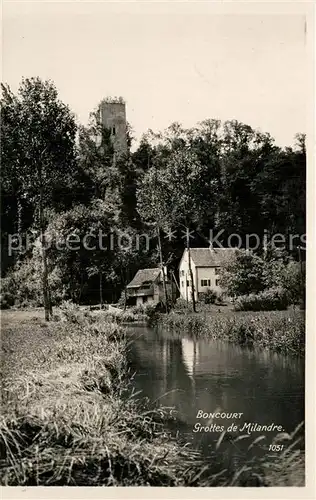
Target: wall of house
[[209, 274], [199, 274], [140, 300], [185, 279]]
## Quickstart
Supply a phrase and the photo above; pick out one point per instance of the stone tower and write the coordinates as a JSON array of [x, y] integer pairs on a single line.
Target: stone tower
[[113, 117]]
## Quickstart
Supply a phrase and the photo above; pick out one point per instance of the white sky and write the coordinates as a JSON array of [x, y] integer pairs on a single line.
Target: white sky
[[171, 62]]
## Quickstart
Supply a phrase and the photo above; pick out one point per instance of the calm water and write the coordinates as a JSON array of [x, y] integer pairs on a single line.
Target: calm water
[[192, 375]]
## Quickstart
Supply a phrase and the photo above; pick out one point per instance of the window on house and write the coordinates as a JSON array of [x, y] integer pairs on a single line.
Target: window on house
[[182, 272], [145, 299], [188, 283], [182, 284], [113, 130], [205, 282]]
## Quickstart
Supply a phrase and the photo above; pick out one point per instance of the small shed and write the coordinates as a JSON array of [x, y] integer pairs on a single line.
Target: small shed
[[146, 287]]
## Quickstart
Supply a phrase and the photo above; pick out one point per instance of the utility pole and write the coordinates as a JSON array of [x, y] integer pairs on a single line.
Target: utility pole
[[162, 270], [190, 271]]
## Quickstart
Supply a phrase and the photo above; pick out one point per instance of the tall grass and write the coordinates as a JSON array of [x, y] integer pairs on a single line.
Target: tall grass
[[255, 465], [280, 331], [68, 420]]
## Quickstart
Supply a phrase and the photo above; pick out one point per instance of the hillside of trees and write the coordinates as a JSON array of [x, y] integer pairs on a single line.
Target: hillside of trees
[[59, 178]]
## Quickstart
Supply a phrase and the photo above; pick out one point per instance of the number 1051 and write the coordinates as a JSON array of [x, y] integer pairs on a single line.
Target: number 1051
[[276, 447]]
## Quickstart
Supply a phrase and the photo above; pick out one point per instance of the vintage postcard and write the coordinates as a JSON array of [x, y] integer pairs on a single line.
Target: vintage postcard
[[157, 278]]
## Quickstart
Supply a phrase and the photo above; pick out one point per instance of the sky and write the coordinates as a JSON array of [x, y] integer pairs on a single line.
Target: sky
[[181, 62]]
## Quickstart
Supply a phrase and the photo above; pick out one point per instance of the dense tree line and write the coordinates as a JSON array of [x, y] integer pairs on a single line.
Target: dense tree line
[[59, 177]]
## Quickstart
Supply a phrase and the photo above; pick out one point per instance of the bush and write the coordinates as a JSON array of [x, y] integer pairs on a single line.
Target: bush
[[274, 299], [294, 282], [143, 309], [22, 287], [68, 311], [208, 297], [6, 300], [243, 274], [181, 305]]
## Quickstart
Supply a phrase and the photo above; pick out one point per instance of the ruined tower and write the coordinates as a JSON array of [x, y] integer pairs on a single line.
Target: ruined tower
[[113, 117]]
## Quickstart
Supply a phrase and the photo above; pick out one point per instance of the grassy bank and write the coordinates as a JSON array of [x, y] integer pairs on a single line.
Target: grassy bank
[[68, 421], [70, 418], [280, 331]]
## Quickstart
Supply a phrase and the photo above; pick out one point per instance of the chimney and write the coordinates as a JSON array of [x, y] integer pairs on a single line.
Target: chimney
[[211, 240]]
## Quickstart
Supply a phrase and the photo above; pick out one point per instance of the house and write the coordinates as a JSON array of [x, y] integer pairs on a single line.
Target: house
[[205, 265], [147, 287]]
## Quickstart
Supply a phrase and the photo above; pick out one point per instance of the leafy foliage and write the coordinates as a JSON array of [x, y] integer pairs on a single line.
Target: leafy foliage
[[273, 299], [243, 274], [208, 297]]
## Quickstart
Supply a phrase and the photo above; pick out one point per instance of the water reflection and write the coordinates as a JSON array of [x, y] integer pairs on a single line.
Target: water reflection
[[193, 375]]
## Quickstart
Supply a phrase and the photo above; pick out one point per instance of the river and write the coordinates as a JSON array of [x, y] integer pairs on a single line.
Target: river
[[192, 375]]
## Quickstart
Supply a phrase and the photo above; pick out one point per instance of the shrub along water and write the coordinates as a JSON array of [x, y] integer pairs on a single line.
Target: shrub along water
[[273, 299]]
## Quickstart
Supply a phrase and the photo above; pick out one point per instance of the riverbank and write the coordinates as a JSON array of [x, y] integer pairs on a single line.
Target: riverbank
[[67, 418], [279, 331], [70, 417]]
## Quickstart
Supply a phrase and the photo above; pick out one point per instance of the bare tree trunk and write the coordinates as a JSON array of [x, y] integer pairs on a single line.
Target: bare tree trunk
[[124, 280], [191, 273], [101, 291], [175, 280], [19, 219], [46, 294], [50, 302], [162, 271], [125, 298], [81, 287], [17, 255]]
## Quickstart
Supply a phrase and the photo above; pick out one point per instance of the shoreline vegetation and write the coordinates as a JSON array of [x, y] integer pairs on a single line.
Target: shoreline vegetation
[[279, 331], [71, 418]]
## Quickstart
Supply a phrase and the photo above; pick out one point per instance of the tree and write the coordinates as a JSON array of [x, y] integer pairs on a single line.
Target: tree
[[171, 194], [38, 152], [294, 277], [96, 157], [79, 245], [154, 209], [243, 274]]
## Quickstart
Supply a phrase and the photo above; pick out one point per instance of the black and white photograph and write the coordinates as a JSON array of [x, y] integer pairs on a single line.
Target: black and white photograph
[[155, 229]]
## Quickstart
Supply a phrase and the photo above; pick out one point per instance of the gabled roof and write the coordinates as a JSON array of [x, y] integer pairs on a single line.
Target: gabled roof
[[144, 275], [211, 257]]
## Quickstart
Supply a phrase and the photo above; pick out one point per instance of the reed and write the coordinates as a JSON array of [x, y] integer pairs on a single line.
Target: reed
[[280, 331]]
